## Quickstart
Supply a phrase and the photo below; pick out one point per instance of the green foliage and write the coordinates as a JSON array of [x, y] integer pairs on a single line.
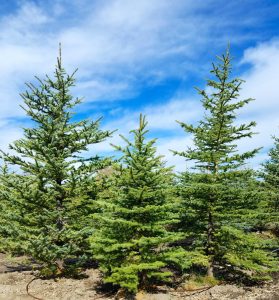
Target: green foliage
[[245, 251], [134, 216], [271, 185], [221, 198], [132, 240], [49, 200]]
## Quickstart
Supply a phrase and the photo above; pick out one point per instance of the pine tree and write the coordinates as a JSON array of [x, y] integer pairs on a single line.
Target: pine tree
[[132, 241], [50, 197], [271, 184], [7, 220], [220, 196]]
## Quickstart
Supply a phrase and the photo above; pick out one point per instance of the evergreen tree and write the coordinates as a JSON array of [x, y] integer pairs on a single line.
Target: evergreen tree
[[220, 197], [50, 198], [7, 223], [271, 184], [132, 241]]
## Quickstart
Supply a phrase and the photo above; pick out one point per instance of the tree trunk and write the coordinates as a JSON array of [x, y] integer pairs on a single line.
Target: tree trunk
[[210, 270], [60, 205], [143, 280], [210, 251]]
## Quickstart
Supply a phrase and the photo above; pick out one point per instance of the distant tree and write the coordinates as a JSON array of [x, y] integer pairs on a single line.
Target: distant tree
[[50, 195], [7, 219], [221, 196], [132, 241], [271, 184]]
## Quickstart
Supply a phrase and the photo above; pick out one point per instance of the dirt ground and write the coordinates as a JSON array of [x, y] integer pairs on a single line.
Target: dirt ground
[[14, 277]]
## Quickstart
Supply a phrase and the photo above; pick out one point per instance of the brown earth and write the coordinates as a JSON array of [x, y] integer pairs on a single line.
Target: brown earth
[[15, 276]]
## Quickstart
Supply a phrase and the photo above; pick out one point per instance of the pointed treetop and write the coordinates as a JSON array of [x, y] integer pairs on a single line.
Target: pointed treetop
[[59, 58]]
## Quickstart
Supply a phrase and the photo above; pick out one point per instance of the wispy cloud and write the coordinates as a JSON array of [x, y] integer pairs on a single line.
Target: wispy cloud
[[261, 84], [122, 46], [121, 42]]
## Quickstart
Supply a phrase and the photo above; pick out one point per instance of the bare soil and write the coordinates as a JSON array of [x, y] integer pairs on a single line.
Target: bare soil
[[15, 276]]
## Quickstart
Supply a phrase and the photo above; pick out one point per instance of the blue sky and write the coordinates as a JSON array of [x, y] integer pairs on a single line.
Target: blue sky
[[142, 56]]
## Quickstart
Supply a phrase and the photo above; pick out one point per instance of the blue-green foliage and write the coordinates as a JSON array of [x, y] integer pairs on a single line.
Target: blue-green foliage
[[48, 200], [132, 241], [221, 199]]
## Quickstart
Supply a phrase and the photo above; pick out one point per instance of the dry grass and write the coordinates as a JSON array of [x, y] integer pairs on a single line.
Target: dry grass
[[199, 282]]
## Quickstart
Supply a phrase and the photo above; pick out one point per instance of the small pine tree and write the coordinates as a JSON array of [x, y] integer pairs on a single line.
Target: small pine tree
[[271, 184], [131, 242], [219, 197], [50, 199]]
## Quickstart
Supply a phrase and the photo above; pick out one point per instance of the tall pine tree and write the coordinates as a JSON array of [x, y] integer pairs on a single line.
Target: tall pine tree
[[132, 241], [220, 196], [49, 200]]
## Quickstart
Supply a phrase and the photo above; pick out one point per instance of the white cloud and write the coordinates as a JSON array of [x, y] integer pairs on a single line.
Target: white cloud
[[262, 85], [164, 116], [8, 134], [120, 45], [262, 77], [100, 89], [161, 118], [110, 42], [121, 42], [24, 53], [178, 143]]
